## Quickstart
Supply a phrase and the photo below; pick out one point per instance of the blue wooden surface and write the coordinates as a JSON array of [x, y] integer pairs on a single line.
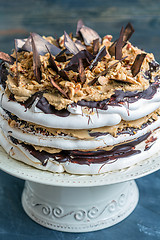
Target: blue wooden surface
[[47, 17]]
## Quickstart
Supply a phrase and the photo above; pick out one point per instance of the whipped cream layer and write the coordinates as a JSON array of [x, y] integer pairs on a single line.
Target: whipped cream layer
[[144, 149], [78, 119], [70, 143]]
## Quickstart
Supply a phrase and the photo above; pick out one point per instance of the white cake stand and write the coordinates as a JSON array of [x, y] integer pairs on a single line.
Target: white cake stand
[[74, 203]]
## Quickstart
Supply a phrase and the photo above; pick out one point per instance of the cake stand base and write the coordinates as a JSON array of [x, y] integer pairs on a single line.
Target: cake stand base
[[79, 209]]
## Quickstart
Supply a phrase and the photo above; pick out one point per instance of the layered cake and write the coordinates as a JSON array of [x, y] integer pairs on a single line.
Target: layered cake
[[79, 104]]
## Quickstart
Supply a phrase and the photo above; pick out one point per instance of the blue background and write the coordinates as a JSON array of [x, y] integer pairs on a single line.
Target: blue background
[[46, 17]]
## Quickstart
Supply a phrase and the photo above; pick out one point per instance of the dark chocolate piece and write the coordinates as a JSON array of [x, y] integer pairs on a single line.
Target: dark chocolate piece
[[52, 62], [36, 61], [79, 45], [82, 75], [58, 88], [98, 57], [63, 74], [5, 57], [29, 102], [61, 57], [84, 55], [95, 46], [119, 45], [41, 44], [103, 73], [3, 75], [137, 64], [129, 30], [47, 108], [89, 35], [79, 26], [69, 44]]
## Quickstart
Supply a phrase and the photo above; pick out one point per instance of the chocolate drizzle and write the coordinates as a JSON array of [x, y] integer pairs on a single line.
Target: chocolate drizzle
[[87, 157], [119, 97], [47, 108]]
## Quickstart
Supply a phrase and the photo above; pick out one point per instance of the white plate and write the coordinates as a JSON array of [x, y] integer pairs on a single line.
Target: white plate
[[26, 172]]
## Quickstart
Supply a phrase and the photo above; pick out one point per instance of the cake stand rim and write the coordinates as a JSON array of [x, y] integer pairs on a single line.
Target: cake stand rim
[[23, 171]]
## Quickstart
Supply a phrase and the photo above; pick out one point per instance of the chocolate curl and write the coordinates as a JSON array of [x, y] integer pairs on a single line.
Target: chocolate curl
[[135, 69], [58, 87], [89, 35], [124, 81], [36, 61], [95, 46], [103, 73], [69, 44], [129, 30], [119, 45], [41, 44], [5, 57], [53, 65], [61, 57], [82, 75], [79, 26], [52, 62], [99, 56], [73, 64]]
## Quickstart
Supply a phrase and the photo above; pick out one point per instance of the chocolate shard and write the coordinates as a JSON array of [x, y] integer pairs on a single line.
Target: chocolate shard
[[103, 73], [63, 74], [129, 30], [20, 43], [86, 56], [69, 44], [58, 87], [153, 66], [53, 65], [61, 57], [124, 80], [81, 71], [119, 45], [135, 69], [95, 46], [52, 62], [111, 49], [29, 102], [5, 57], [89, 35], [36, 60], [79, 45], [41, 44], [47, 108], [79, 26], [98, 57]]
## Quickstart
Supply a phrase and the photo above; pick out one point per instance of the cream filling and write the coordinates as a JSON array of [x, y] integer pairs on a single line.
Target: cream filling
[[66, 143], [21, 154], [110, 117]]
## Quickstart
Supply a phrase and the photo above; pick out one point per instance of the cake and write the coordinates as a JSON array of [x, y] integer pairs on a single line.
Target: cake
[[79, 104]]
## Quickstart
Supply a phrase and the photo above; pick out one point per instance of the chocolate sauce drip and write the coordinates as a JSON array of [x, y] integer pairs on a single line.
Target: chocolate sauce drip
[[87, 157], [120, 97], [47, 108]]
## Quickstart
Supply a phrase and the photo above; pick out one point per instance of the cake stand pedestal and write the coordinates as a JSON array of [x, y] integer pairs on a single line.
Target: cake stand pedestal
[[74, 203]]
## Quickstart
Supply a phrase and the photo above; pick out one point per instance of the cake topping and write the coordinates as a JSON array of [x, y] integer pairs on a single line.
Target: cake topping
[[137, 64], [119, 45], [36, 60], [79, 68]]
